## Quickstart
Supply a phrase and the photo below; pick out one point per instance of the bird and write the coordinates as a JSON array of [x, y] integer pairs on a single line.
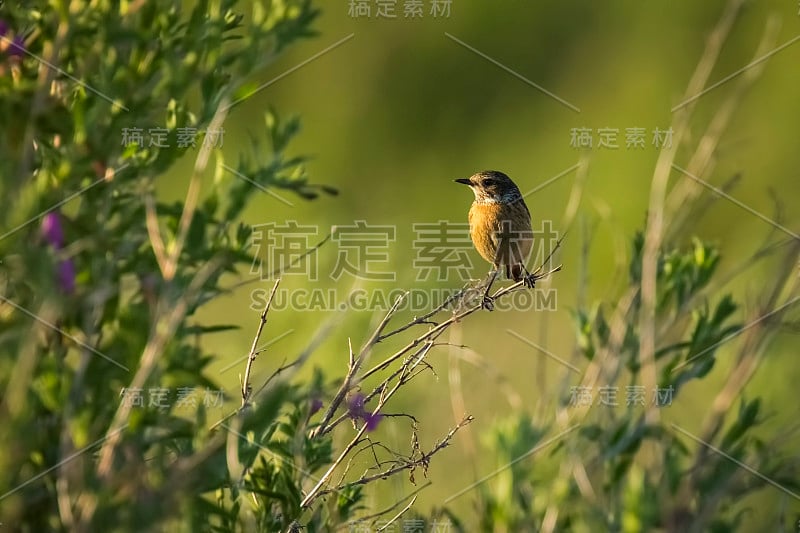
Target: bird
[[500, 227]]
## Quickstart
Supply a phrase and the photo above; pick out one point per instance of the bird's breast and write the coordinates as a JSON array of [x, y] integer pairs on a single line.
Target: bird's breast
[[501, 232]]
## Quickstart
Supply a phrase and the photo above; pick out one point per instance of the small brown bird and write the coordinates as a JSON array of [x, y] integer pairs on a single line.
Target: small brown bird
[[500, 226]]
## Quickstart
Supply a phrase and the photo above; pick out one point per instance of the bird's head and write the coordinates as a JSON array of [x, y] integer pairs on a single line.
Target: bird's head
[[491, 186]]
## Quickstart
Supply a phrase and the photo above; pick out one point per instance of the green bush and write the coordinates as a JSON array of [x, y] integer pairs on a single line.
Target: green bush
[[101, 283]]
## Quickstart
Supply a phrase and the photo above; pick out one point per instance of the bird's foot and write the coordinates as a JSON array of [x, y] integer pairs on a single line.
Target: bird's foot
[[488, 303], [529, 281]]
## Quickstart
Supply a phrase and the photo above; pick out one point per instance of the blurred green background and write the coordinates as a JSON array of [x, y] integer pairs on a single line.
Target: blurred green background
[[394, 114]]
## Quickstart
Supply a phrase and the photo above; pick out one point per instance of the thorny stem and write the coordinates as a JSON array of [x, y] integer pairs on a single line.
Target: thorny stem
[[421, 461], [353, 368], [408, 367], [326, 425], [402, 375], [247, 389], [351, 380]]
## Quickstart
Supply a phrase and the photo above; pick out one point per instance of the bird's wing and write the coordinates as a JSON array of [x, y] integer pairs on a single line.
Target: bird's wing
[[526, 207]]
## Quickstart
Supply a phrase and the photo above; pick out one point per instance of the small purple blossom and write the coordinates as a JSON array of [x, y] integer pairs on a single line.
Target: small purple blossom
[[66, 276], [17, 47], [53, 234], [3, 27], [372, 421], [316, 405], [355, 409], [52, 230], [355, 406]]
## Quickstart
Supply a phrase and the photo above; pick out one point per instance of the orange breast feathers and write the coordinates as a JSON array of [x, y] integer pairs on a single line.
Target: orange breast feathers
[[502, 233]]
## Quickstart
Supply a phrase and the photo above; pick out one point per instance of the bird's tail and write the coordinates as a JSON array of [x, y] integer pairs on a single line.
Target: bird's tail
[[515, 271]]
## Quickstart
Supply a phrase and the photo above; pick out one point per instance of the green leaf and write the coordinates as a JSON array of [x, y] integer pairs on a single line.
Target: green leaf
[[215, 328]]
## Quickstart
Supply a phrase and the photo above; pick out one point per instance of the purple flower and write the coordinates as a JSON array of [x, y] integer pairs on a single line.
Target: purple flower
[[66, 276], [17, 47], [3, 27], [316, 405], [355, 406], [372, 421], [52, 231], [356, 411], [53, 234]]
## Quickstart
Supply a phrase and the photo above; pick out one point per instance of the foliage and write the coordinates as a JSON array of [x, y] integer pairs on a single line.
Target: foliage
[[100, 284], [101, 350], [640, 472]]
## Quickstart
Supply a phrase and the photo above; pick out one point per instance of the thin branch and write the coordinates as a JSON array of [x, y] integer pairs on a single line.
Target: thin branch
[[147, 362], [351, 381], [439, 328], [153, 231], [316, 491], [398, 515], [193, 193], [353, 368], [247, 389], [390, 508], [422, 461], [424, 318], [379, 389], [420, 347], [315, 341]]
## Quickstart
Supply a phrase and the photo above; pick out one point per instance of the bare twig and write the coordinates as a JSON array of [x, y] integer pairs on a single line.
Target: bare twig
[[424, 319], [390, 508], [413, 355], [398, 515], [316, 491], [353, 368], [315, 341], [247, 389], [412, 463], [439, 328], [402, 375]]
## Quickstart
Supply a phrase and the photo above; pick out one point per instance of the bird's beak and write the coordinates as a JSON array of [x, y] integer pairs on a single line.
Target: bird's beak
[[465, 181]]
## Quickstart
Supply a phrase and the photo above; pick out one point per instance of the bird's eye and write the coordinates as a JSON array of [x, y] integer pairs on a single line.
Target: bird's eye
[[488, 182]]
